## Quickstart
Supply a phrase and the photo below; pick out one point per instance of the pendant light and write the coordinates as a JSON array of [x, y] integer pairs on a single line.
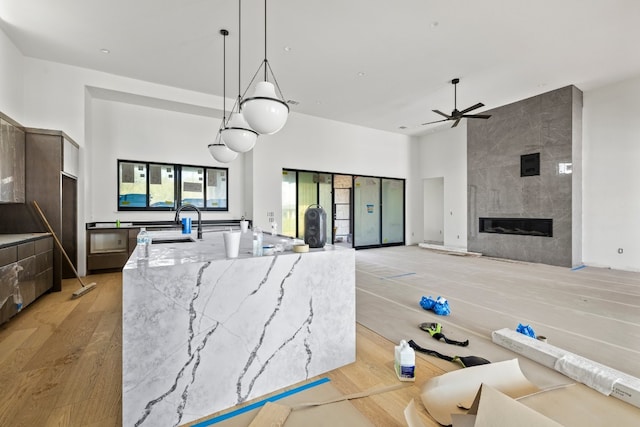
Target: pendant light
[[265, 111], [238, 136], [218, 150]]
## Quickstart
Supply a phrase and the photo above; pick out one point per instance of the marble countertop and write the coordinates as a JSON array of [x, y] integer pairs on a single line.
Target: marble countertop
[[210, 248], [14, 239]]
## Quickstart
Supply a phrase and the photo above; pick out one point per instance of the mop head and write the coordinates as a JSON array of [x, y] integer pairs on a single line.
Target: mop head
[[83, 290]]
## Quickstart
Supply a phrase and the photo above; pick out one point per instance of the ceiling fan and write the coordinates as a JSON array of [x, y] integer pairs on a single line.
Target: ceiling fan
[[459, 115]]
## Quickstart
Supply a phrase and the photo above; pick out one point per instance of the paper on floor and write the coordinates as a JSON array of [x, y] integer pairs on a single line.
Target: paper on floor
[[494, 409], [451, 392]]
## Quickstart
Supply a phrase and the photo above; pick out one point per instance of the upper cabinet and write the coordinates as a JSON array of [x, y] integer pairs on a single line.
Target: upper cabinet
[[12, 162], [70, 155]]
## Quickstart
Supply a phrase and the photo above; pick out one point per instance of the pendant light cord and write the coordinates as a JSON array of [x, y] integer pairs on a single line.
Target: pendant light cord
[[224, 75], [265, 64], [265, 40], [239, 50], [224, 33]]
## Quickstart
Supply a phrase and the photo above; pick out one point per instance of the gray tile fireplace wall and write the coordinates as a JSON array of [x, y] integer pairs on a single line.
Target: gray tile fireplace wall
[[544, 124]]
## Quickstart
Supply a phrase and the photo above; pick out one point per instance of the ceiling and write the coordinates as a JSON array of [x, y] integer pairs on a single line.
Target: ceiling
[[375, 63]]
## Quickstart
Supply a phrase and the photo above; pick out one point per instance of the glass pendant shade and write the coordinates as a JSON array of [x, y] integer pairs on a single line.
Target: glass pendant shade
[[264, 111], [221, 152], [238, 136]]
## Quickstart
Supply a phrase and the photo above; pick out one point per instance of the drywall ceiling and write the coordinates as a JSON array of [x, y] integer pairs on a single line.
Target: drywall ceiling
[[375, 63]]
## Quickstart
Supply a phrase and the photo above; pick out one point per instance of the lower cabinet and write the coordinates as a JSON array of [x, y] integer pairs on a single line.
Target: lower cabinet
[[109, 249], [26, 270]]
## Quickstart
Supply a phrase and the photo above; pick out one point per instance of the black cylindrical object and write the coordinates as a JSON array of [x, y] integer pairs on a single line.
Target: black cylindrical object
[[315, 226]]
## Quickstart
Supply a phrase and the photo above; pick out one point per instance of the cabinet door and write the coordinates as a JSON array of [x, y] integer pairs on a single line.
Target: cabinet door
[[12, 163], [70, 157]]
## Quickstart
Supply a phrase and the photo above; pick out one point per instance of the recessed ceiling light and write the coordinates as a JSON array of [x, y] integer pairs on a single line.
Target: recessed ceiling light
[[434, 24], [105, 51], [287, 48], [360, 74], [402, 127]]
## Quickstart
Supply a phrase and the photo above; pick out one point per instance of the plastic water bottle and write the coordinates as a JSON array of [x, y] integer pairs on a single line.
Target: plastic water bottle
[[143, 241], [17, 298], [257, 241], [405, 362]]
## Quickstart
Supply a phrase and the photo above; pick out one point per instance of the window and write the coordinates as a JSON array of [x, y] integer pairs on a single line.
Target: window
[[192, 186], [132, 188], [163, 186]]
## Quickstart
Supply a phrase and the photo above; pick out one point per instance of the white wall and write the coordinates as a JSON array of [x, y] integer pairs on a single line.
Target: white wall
[[611, 176], [444, 154], [11, 81], [433, 210], [134, 132], [323, 145]]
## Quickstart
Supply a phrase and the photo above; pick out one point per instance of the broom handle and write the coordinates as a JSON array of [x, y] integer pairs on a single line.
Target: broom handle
[[44, 218]]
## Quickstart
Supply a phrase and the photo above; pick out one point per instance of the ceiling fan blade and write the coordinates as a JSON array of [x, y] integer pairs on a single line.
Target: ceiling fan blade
[[437, 121], [477, 116], [456, 123], [473, 107], [442, 114]]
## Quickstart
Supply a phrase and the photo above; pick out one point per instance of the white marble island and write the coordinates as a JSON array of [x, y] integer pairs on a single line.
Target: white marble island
[[202, 333]]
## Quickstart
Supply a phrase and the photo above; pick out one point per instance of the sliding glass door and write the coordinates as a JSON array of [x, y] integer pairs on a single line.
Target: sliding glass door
[[366, 211], [378, 211], [392, 211], [373, 207]]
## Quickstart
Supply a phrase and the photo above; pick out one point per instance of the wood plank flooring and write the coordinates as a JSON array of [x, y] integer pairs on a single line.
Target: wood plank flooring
[[592, 312], [60, 359], [61, 363]]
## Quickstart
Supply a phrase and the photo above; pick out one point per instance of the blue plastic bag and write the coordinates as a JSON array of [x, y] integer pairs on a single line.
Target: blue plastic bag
[[526, 330], [441, 307], [427, 303]]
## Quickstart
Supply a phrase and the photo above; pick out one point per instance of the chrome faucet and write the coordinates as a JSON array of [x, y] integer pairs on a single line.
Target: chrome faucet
[[192, 207]]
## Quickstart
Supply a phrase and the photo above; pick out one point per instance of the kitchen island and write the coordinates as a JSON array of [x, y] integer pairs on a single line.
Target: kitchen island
[[202, 333]]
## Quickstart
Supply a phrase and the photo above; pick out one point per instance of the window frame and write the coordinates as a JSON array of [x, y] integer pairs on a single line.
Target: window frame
[[177, 186]]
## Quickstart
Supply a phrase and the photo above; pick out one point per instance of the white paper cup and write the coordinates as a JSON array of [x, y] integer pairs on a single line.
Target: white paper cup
[[244, 226], [232, 243]]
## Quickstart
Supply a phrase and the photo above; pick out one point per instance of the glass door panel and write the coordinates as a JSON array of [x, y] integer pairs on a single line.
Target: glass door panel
[[342, 213], [366, 211], [392, 211], [289, 203], [325, 186], [307, 195]]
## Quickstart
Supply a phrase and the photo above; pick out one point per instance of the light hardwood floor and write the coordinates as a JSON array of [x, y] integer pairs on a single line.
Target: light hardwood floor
[[61, 363], [60, 359]]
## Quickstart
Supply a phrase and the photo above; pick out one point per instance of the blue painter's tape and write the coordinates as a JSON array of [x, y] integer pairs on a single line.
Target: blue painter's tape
[[580, 267], [261, 403]]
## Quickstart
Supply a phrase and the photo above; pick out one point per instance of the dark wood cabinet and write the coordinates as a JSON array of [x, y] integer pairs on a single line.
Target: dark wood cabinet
[[51, 180], [29, 266], [109, 248]]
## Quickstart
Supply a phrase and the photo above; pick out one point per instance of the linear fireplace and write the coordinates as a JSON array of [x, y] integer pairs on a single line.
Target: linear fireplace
[[522, 226]]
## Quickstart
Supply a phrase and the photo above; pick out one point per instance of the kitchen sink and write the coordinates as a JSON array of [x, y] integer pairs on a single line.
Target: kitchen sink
[[159, 240]]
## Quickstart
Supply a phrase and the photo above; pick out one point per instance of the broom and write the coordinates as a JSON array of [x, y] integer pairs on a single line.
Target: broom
[[85, 288]]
